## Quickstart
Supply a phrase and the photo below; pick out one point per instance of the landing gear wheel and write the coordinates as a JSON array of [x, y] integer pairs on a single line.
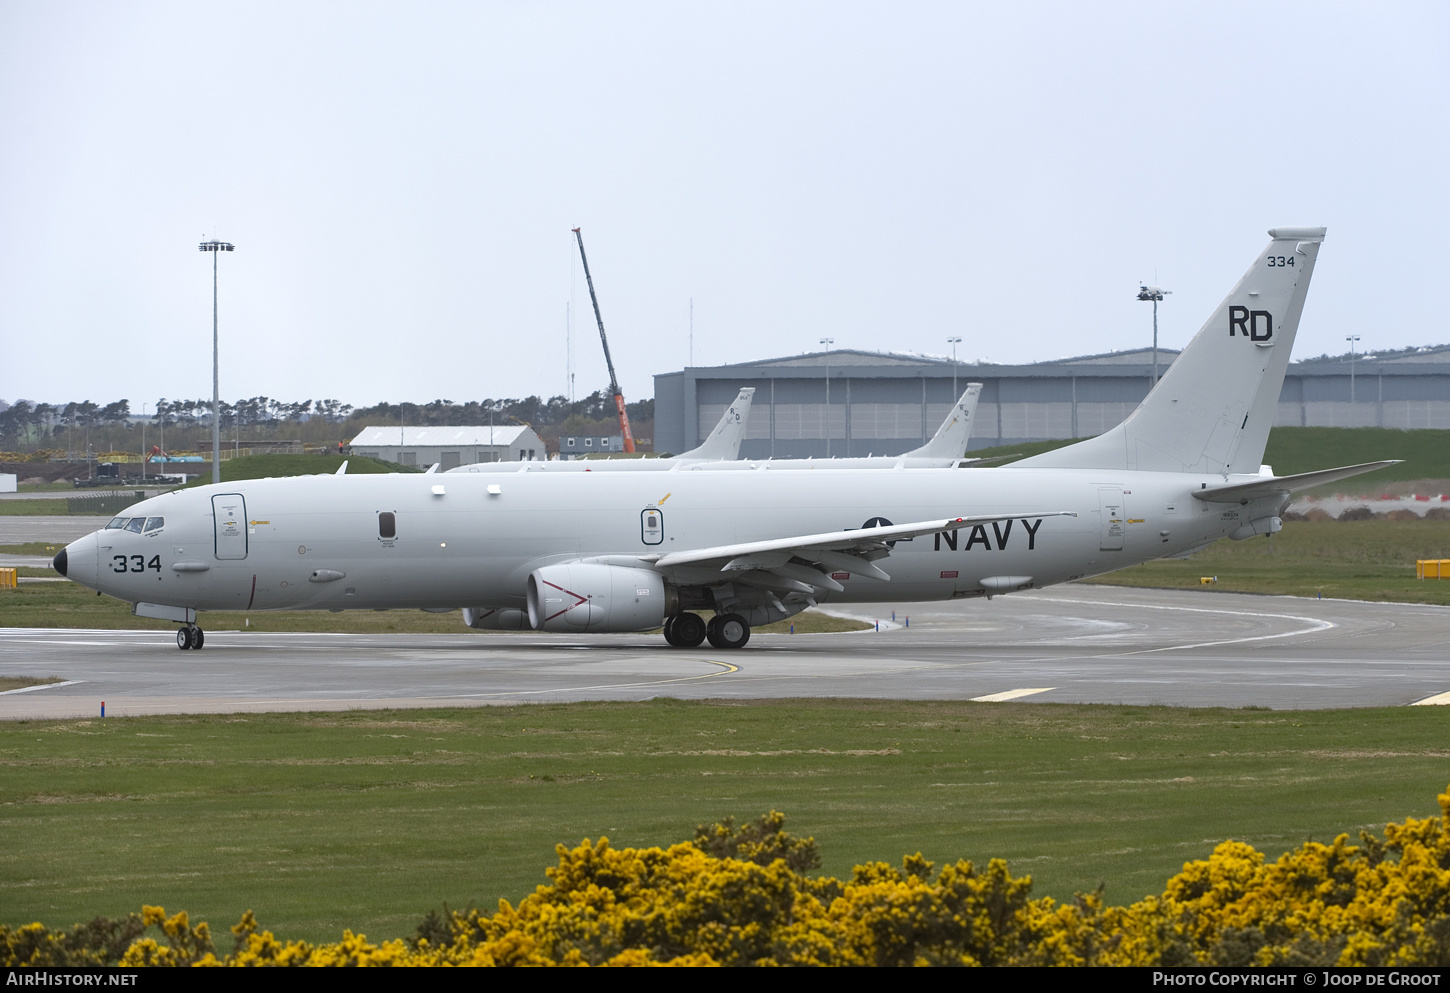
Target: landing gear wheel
[[198, 638], [183, 638], [727, 631], [670, 631], [687, 631]]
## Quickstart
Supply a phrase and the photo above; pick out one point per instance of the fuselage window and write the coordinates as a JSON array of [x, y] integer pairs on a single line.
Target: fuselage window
[[116, 522], [387, 525], [135, 523], [155, 523]]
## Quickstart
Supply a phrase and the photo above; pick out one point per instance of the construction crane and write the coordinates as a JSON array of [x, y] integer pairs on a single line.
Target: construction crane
[[613, 382]]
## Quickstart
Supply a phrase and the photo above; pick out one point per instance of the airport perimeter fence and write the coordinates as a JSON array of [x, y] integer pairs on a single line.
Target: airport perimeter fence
[[110, 503]]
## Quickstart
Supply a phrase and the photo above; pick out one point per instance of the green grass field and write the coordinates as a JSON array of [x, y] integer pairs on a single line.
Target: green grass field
[[366, 820], [1349, 560]]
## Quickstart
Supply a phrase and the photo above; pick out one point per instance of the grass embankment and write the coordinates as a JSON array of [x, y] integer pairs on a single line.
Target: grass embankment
[[233, 470], [32, 548], [8, 683], [367, 820], [41, 507], [272, 466], [1350, 560], [1425, 454]]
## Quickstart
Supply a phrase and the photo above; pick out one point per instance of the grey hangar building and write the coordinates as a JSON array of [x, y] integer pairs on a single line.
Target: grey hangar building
[[852, 403]]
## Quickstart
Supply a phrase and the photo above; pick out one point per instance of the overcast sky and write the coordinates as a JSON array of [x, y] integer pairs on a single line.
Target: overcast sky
[[400, 180]]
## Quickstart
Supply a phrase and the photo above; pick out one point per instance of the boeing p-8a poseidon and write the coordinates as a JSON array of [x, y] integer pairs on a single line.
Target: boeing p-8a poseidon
[[632, 551]]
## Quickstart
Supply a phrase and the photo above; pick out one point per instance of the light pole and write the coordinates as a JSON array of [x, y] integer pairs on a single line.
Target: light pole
[[828, 342], [214, 247], [954, 343], [1154, 293], [1351, 338]]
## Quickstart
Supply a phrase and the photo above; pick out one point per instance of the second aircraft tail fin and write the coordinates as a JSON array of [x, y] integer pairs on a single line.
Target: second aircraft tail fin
[[1213, 408], [724, 442], [950, 440]]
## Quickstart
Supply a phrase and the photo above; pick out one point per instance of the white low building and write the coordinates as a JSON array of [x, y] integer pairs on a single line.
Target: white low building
[[450, 446]]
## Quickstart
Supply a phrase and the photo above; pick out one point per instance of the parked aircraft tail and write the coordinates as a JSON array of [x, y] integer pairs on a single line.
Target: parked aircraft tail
[[950, 440], [724, 441], [1213, 408]]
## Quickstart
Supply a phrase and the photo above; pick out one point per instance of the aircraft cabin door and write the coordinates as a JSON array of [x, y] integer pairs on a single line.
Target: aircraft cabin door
[[652, 525], [1112, 514], [229, 518]]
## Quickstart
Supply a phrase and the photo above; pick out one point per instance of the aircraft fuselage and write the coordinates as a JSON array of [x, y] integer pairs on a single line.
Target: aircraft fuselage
[[472, 540]]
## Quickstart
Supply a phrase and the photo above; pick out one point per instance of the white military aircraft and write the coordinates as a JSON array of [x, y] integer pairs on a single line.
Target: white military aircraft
[[722, 445], [721, 451], [601, 552], [943, 451]]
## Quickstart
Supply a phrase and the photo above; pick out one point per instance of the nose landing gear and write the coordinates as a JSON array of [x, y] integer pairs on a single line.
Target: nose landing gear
[[190, 636]]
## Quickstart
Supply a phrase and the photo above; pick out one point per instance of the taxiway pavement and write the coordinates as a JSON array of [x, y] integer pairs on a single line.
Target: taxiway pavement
[[1074, 643]]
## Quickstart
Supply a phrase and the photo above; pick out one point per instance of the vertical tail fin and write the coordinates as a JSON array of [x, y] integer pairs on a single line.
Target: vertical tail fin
[[1212, 410], [724, 441], [950, 440]]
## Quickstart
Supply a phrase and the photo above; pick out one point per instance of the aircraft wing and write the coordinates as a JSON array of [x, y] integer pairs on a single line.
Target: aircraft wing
[[1270, 485], [850, 551]]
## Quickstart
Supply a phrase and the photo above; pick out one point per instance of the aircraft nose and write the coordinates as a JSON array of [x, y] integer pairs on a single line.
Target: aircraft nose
[[78, 561]]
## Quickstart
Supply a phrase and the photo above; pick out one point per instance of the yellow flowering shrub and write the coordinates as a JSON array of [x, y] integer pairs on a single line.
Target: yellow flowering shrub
[[741, 897]]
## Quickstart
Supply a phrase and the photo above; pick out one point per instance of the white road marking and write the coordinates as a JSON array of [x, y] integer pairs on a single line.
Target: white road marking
[[1006, 695], [1314, 623], [43, 686]]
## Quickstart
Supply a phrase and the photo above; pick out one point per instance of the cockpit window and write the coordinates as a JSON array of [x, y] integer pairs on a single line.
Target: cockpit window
[[134, 524], [116, 522], [155, 523]]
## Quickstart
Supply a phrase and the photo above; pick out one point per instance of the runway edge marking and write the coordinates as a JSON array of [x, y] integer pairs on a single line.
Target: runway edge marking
[[1006, 695]]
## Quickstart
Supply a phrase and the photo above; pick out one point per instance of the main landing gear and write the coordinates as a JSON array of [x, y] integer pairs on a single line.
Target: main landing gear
[[725, 631], [190, 636], [685, 630]]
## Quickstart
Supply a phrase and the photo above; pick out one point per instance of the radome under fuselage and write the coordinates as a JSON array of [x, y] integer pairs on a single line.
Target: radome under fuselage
[[315, 542]]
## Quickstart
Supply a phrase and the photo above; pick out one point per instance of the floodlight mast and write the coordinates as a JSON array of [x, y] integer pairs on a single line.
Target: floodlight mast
[[1154, 293], [214, 247], [613, 382]]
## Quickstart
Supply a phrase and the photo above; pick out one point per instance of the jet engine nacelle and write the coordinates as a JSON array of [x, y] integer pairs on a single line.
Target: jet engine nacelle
[[589, 596]]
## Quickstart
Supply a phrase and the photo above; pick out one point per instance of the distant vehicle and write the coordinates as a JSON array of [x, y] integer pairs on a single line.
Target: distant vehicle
[[594, 552], [157, 455]]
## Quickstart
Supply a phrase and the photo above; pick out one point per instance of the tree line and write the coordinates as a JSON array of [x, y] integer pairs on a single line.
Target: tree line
[[86, 426]]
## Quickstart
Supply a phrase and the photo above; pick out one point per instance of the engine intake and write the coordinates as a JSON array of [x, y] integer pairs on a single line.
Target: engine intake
[[587, 596]]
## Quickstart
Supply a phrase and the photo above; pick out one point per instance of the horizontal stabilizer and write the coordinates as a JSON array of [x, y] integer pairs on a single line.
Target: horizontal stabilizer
[[1270, 485]]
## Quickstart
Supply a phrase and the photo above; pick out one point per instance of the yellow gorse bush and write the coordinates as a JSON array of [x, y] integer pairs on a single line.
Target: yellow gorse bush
[[741, 897]]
